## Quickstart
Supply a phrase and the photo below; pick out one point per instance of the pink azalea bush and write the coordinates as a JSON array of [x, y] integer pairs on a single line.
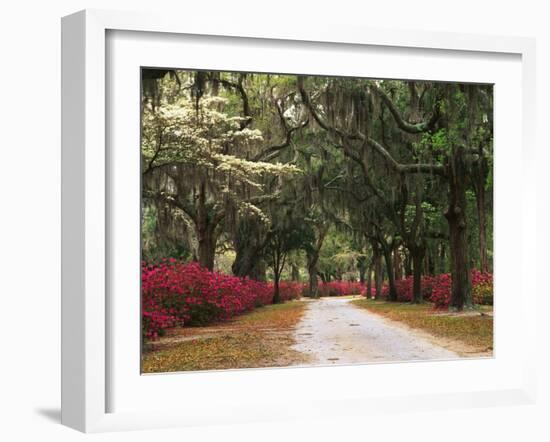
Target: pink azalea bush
[[289, 290], [340, 288], [437, 289], [176, 293], [372, 292], [404, 288], [153, 323], [441, 290], [482, 287]]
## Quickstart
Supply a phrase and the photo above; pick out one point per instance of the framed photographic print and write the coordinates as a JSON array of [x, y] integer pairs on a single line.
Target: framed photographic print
[[269, 221]]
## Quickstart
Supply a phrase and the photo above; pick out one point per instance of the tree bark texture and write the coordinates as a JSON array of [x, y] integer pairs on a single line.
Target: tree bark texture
[[461, 295]]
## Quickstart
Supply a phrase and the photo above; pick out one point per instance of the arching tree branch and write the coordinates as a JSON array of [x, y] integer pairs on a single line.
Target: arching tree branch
[[358, 136], [412, 128]]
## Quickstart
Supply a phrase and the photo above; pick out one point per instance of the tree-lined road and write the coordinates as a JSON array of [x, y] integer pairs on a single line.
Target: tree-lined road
[[334, 331]]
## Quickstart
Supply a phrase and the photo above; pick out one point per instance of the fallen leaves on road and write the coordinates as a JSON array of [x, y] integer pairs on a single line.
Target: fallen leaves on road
[[261, 338], [473, 330]]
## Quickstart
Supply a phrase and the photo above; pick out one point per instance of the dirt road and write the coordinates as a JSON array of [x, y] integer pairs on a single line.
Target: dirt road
[[334, 331]]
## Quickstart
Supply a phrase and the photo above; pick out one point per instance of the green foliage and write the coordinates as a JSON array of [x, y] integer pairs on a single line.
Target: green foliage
[[286, 236], [435, 145], [338, 256]]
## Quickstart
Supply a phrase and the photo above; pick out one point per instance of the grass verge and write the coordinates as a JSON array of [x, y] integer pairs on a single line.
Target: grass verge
[[472, 333], [261, 338]]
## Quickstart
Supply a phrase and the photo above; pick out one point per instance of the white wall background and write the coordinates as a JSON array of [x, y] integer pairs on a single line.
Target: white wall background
[[30, 215]]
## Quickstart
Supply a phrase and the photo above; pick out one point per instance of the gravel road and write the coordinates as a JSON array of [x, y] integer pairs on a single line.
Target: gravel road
[[333, 331]]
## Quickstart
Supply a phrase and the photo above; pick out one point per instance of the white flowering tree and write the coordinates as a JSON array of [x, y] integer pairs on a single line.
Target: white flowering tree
[[196, 159]]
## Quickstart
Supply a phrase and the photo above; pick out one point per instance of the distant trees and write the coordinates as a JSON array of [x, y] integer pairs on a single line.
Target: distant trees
[[286, 235]]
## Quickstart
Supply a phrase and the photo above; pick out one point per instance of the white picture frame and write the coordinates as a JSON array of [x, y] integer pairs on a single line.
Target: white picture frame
[[86, 350]]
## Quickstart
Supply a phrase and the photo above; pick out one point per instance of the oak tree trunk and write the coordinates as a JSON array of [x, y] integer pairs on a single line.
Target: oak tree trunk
[[397, 264], [417, 258], [461, 294], [408, 265], [248, 244], [276, 291], [369, 280], [480, 202], [205, 231], [312, 260], [378, 275], [313, 282], [248, 264], [362, 267], [392, 294], [207, 248]]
